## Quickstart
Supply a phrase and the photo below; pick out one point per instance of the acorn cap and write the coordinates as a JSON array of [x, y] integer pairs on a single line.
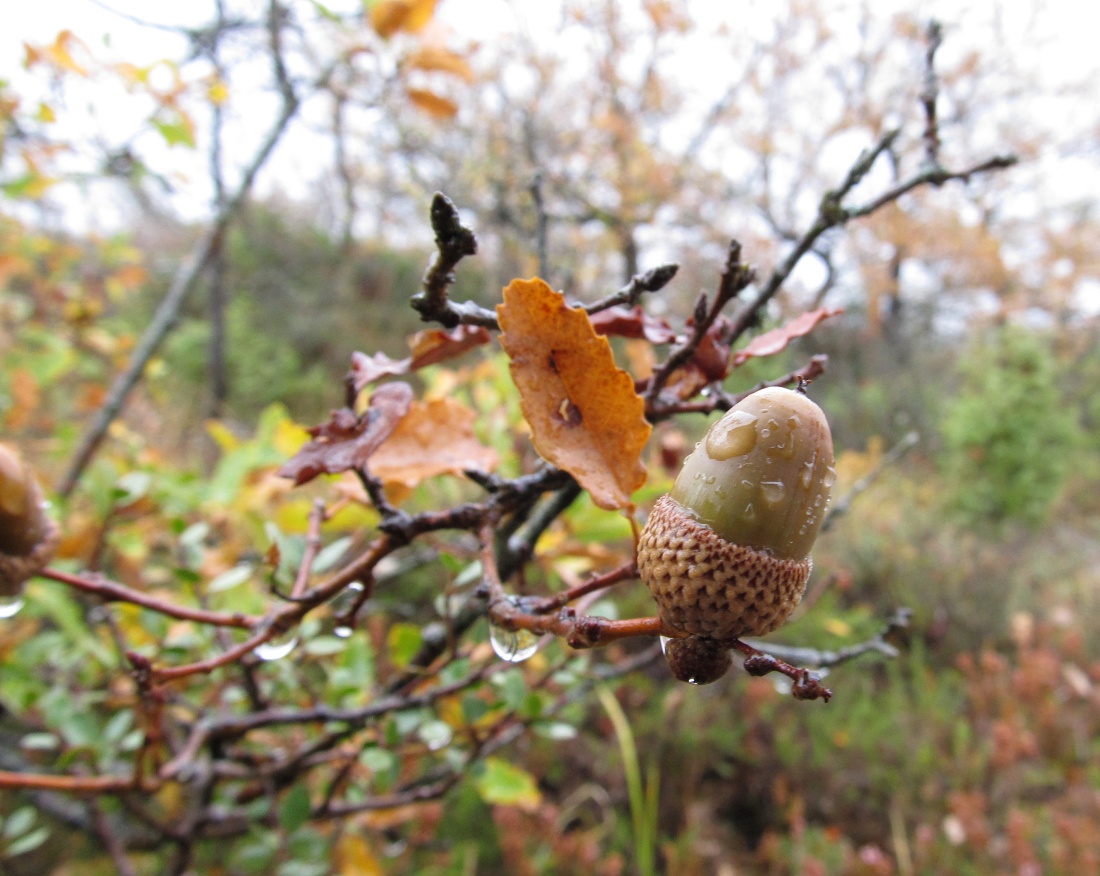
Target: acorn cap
[[27, 535], [726, 553]]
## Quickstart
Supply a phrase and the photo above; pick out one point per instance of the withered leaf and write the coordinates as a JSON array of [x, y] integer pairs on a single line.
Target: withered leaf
[[773, 341], [584, 414], [429, 347], [347, 440], [367, 369], [432, 346], [435, 105], [633, 322], [435, 437]]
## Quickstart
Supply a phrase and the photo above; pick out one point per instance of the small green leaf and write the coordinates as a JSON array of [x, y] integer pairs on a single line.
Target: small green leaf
[[295, 809], [19, 822], [504, 783], [403, 641], [230, 578], [28, 842]]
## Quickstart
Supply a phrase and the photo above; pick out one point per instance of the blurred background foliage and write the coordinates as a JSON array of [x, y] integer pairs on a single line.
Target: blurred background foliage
[[975, 752]]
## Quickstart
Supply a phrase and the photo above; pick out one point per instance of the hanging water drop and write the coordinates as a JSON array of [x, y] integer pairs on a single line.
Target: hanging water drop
[[277, 647], [9, 606], [342, 606], [515, 646]]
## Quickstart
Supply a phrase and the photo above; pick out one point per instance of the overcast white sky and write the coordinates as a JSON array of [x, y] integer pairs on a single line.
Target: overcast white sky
[[1061, 46]]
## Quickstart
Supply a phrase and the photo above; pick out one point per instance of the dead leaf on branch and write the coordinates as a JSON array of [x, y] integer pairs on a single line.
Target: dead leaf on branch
[[584, 413], [633, 322], [387, 17], [348, 440], [429, 347], [772, 342], [435, 105], [434, 438]]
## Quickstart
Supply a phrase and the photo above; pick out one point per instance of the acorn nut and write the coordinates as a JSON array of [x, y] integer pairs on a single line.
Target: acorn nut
[[28, 537], [726, 554]]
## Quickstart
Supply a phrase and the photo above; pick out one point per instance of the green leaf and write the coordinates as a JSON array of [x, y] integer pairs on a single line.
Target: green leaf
[[331, 554], [230, 578], [19, 822], [177, 131], [403, 641], [502, 782], [28, 842], [295, 809]]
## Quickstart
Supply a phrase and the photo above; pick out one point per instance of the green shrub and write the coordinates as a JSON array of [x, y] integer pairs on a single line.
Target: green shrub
[[1009, 435]]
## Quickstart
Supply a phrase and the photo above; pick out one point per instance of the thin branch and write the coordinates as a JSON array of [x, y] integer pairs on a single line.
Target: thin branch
[[652, 280], [822, 659], [170, 306], [110, 591], [843, 505], [736, 276], [453, 241]]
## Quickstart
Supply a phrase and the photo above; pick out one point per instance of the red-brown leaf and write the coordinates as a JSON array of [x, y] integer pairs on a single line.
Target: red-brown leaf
[[347, 440], [367, 369], [432, 346], [633, 323], [770, 343]]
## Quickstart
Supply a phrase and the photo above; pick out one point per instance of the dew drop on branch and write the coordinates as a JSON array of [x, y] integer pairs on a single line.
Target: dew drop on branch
[[515, 646], [278, 647], [9, 606]]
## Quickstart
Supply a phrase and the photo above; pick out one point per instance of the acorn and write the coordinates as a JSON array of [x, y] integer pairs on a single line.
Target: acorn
[[726, 553], [28, 537]]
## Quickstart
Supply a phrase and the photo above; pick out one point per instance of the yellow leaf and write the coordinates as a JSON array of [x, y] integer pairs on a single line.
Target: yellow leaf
[[45, 113], [221, 435], [355, 858], [584, 414], [433, 104], [441, 59], [61, 56], [838, 627], [217, 92], [387, 17]]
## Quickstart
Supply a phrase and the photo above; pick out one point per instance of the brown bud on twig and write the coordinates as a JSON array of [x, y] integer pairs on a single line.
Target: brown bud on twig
[[28, 537]]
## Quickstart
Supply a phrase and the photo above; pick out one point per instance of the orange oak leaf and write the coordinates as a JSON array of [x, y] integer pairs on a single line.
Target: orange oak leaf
[[775, 340], [584, 414], [435, 437], [348, 439]]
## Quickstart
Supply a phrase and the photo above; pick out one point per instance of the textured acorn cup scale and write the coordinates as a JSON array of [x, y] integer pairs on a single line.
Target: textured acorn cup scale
[[726, 554], [27, 535]]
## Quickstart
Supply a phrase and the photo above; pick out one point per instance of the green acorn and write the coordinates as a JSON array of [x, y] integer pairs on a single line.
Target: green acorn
[[726, 554]]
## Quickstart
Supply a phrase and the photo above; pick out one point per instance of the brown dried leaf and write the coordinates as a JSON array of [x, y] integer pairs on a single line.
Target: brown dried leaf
[[429, 347], [432, 346], [775, 340], [633, 322], [441, 59], [347, 441], [433, 438], [584, 414], [433, 104], [367, 369]]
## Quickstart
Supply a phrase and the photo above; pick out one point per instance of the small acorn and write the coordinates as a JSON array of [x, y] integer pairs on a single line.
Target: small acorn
[[28, 537], [726, 554]]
